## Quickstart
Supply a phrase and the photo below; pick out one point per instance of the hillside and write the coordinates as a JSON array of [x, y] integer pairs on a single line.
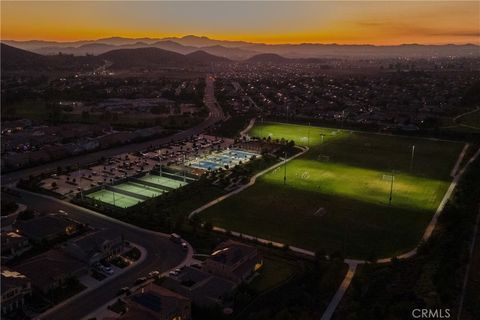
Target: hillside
[[204, 57]]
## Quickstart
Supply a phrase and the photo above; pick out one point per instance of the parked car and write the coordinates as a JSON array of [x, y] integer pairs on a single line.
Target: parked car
[[124, 290], [140, 280], [184, 246], [153, 274], [108, 270]]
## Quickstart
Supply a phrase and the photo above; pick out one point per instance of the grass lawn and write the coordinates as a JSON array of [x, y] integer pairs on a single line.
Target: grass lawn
[[337, 194], [273, 272]]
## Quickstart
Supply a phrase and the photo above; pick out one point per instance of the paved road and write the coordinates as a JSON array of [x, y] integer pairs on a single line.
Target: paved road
[[215, 115], [163, 254]]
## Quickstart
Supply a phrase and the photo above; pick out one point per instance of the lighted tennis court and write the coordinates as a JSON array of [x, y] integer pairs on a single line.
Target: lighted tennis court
[[114, 198], [143, 190], [163, 181], [216, 160], [136, 190]]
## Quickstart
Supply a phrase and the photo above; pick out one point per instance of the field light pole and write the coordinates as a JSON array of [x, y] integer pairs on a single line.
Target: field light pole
[[391, 189], [308, 135], [285, 168], [413, 156], [322, 135]]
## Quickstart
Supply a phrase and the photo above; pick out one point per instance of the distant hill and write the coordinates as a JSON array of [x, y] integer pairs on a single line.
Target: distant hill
[[241, 50], [268, 58], [14, 59], [144, 57], [205, 57], [17, 58]]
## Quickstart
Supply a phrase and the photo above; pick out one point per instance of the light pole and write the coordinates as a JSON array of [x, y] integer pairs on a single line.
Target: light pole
[[413, 156], [391, 189], [285, 168], [308, 135]]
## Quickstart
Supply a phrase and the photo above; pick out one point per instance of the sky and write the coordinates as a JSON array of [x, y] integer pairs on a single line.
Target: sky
[[343, 22]]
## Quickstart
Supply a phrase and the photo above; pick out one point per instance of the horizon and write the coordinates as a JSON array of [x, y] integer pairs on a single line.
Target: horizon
[[173, 38], [324, 22]]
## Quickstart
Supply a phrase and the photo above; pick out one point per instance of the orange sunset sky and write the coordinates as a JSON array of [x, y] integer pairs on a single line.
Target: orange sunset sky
[[344, 22]]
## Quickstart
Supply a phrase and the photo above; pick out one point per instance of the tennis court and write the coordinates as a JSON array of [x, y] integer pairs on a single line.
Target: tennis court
[[163, 181], [130, 193], [137, 188], [114, 198], [216, 160]]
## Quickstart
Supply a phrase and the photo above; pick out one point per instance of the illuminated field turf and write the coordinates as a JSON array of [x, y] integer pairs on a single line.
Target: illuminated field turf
[[337, 194]]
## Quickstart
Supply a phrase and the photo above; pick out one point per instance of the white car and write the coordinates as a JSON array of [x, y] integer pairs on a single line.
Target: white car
[[153, 274]]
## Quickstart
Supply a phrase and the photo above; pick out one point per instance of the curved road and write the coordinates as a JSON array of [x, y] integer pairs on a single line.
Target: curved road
[[215, 115], [162, 255]]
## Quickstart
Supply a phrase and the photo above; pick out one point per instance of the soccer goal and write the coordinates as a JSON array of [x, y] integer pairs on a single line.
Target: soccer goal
[[323, 157], [388, 177]]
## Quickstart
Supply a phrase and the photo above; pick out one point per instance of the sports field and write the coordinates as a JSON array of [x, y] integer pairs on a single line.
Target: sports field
[[114, 198], [337, 195], [164, 181], [136, 190]]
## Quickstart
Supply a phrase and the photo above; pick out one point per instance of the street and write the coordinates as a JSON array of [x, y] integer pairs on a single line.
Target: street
[[163, 254]]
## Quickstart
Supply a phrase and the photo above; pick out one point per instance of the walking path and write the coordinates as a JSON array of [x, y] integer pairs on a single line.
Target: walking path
[[243, 133], [352, 267], [352, 263], [245, 186], [459, 160]]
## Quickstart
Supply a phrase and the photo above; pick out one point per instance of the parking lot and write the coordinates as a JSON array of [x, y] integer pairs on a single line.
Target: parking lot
[[118, 168]]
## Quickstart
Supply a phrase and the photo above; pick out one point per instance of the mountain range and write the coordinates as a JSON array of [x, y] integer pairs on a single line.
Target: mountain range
[[242, 50]]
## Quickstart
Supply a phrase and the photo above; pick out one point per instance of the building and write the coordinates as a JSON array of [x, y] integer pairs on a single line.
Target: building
[[15, 287], [95, 246], [51, 270], [159, 303], [234, 261], [46, 228], [200, 287], [13, 244]]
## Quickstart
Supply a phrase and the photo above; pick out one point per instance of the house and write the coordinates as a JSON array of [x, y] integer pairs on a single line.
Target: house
[[46, 228], [51, 270], [234, 261], [95, 246], [15, 287], [159, 303], [13, 244], [200, 287]]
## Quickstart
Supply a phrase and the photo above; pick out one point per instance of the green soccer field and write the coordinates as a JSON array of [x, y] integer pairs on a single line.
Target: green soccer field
[[337, 194]]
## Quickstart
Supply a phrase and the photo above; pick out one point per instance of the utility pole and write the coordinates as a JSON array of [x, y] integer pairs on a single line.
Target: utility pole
[[411, 160], [391, 189], [285, 168]]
